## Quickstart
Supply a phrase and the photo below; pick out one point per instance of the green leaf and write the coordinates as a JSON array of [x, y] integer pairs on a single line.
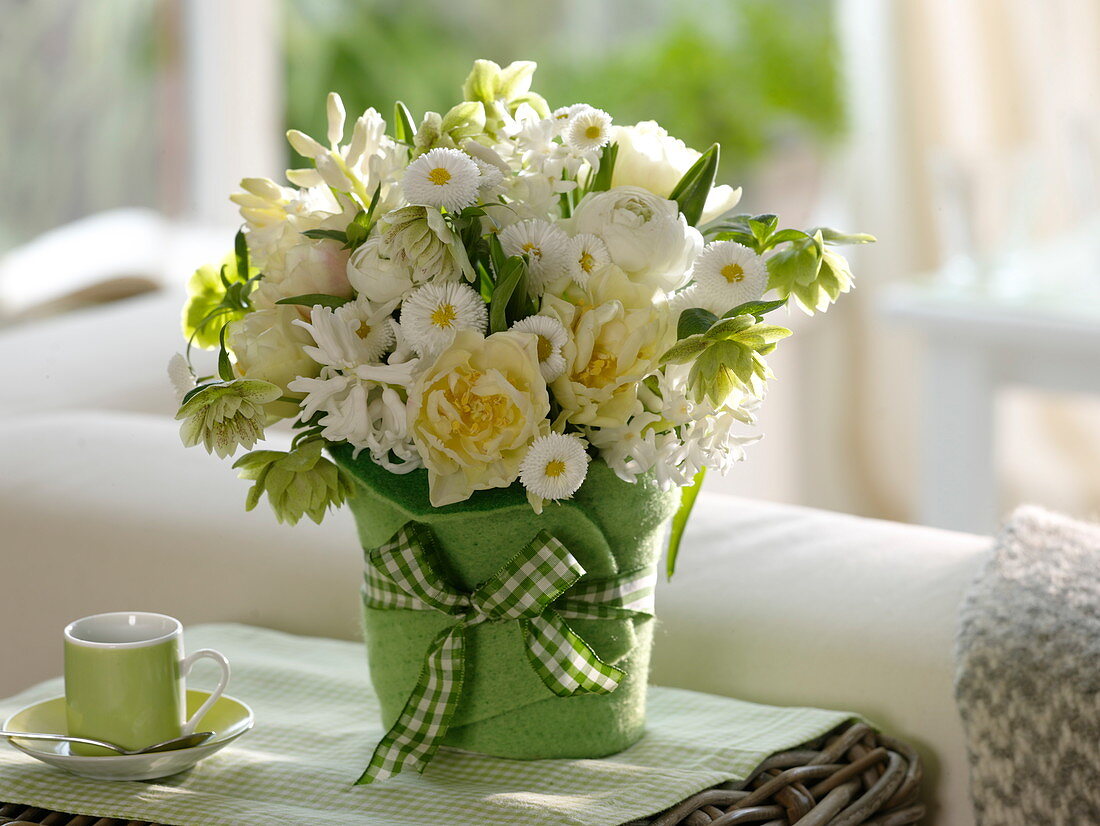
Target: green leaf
[[403, 128], [694, 321], [838, 238], [601, 182], [694, 188], [785, 235], [313, 299], [757, 309], [496, 255], [762, 226], [511, 282], [326, 234], [746, 239], [688, 495], [225, 368]]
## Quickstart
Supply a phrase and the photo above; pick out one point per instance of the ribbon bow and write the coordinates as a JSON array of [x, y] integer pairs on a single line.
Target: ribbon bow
[[401, 574]]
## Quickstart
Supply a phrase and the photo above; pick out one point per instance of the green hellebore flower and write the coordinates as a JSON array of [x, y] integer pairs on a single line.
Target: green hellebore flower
[[727, 357], [215, 297], [299, 483], [223, 415], [812, 272]]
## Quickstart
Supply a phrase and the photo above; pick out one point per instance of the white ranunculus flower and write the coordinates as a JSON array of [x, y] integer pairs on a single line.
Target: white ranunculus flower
[[651, 158], [646, 236]]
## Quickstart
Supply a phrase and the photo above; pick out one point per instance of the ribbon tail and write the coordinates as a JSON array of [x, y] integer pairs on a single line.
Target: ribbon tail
[[419, 731], [565, 662]]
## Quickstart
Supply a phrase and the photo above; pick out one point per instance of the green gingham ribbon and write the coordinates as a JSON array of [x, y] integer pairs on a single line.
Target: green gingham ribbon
[[402, 574]]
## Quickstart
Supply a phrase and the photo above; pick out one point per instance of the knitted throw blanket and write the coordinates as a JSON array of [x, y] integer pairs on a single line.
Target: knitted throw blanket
[[1028, 675]]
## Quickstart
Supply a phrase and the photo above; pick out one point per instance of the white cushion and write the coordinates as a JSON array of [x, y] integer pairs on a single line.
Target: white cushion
[[113, 357], [791, 606]]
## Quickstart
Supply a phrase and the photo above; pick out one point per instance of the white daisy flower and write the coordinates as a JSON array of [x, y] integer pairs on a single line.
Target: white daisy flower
[[356, 333], [545, 245], [588, 130], [587, 253], [554, 467], [445, 178], [562, 115], [551, 338], [431, 315], [729, 274], [491, 177]]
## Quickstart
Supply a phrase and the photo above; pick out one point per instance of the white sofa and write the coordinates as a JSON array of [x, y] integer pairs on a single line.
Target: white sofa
[[102, 509]]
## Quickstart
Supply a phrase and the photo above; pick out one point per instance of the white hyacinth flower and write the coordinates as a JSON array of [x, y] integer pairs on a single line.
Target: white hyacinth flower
[[348, 336], [552, 337], [588, 129], [554, 467], [728, 274], [431, 315], [587, 253], [545, 245], [442, 178], [629, 449]]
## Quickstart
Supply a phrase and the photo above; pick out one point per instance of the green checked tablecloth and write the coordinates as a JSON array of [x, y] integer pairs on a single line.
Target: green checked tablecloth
[[317, 723]]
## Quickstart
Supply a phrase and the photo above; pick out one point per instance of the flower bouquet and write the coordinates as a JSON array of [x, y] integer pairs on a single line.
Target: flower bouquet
[[521, 335]]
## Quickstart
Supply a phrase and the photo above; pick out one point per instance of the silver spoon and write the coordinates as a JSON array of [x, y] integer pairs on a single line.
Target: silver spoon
[[185, 742]]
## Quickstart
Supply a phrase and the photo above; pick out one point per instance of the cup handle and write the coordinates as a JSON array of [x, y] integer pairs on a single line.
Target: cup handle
[[185, 669]]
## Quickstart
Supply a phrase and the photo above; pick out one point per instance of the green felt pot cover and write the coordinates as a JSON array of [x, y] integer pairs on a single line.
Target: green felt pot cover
[[610, 526]]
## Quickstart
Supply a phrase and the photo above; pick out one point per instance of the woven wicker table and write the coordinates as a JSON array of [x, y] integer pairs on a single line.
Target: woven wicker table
[[853, 775]]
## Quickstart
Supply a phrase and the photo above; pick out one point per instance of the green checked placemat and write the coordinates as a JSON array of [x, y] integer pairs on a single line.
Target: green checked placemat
[[317, 723]]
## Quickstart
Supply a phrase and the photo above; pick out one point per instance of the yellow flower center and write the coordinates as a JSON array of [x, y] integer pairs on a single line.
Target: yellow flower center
[[733, 273], [588, 261], [545, 348], [555, 468], [444, 316], [439, 176], [364, 330], [599, 372], [476, 413], [533, 249], [592, 132]]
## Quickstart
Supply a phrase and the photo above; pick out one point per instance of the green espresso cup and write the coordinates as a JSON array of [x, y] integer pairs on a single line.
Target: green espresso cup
[[124, 680]]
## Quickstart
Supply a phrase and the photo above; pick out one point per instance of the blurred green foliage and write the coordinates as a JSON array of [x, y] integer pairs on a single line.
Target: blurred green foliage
[[743, 72]]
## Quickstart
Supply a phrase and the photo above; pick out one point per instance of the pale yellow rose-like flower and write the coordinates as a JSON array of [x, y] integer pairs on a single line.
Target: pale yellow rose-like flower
[[474, 412], [616, 335], [268, 347], [652, 159]]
